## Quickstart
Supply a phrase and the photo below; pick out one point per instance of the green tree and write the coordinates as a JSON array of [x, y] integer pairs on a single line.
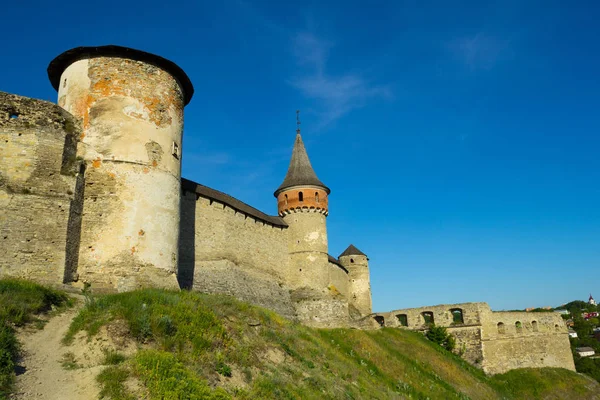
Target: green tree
[[440, 335]]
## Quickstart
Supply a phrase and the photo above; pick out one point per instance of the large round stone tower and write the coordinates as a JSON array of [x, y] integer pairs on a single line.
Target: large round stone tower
[[302, 202], [130, 104]]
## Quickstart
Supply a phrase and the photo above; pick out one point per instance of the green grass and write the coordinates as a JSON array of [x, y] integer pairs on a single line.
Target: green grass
[[546, 383], [20, 303], [194, 344]]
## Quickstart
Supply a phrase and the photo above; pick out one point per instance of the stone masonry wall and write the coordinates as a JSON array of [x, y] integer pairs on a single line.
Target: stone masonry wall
[[338, 279], [524, 340], [226, 251], [38, 169], [496, 341], [359, 283], [467, 333], [307, 249], [132, 119]]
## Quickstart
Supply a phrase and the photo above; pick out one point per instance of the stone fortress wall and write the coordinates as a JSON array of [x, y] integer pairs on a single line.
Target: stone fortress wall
[[91, 192], [229, 247], [38, 179], [497, 341]]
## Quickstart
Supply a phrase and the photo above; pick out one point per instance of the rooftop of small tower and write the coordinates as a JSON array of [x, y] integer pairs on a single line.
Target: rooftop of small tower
[[62, 62], [300, 172], [352, 251]]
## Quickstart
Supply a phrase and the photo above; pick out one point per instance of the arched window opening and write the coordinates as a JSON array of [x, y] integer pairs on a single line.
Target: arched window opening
[[457, 316], [286, 200], [556, 327], [380, 320], [428, 317], [501, 328], [534, 325], [402, 319], [317, 196], [352, 260], [300, 196], [519, 327]]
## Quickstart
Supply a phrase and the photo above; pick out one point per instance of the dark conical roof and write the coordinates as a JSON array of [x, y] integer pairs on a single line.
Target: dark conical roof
[[300, 172], [352, 251]]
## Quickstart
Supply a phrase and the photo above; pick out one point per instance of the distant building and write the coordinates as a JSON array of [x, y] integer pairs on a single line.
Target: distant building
[[591, 300], [563, 312], [585, 351], [590, 315], [572, 333]]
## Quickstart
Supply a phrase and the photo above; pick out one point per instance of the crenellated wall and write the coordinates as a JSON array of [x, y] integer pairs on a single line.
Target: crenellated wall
[[39, 173]]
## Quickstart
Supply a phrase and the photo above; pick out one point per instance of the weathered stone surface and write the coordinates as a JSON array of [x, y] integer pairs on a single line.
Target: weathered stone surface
[[225, 277], [359, 282], [541, 341], [495, 341], [132, 117], [38, 172]]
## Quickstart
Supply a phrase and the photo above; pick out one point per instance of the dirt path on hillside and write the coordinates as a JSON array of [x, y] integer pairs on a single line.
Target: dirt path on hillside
[[41, 373]]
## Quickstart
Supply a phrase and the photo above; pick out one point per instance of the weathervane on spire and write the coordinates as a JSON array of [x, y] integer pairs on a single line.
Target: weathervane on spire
[[298, 122]]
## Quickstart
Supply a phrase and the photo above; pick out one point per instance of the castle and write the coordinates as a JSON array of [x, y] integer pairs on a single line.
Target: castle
[[91, 193]]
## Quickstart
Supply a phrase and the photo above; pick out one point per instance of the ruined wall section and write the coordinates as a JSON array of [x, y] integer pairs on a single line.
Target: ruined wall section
[[467, 333], [132, 117], [442, 315], [225, 250], [524, 340], [38, 170]]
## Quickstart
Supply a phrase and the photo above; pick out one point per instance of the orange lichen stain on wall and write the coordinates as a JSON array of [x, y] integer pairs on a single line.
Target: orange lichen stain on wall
[[82, 136], [145, 170], [154, 163], [81, 108], [108, 87], [141, 232], [133, 250], [111, 174], [97, 163]]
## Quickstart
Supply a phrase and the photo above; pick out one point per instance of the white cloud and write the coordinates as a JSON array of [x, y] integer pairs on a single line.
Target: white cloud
[[337, 95], [480, 51]]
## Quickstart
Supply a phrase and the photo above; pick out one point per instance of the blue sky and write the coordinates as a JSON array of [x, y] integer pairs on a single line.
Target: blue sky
[[460, 139]]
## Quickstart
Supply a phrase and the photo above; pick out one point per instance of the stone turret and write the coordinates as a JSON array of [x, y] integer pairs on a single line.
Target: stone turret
[[302, 202], [130, 104], [359, 288]]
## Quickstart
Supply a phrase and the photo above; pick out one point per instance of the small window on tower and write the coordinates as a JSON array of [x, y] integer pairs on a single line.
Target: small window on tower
[[317, 196], [286, 200], [175, 150], [300, 196]]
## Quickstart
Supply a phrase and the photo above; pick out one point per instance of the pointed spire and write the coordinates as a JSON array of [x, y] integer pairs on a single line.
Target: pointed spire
[[352, 251], [300, 171]]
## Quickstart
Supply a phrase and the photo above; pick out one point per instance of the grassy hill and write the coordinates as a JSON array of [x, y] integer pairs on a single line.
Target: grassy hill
[[181, 345]]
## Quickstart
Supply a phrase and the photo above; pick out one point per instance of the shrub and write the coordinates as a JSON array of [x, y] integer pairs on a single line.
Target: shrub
[[439, 335]]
